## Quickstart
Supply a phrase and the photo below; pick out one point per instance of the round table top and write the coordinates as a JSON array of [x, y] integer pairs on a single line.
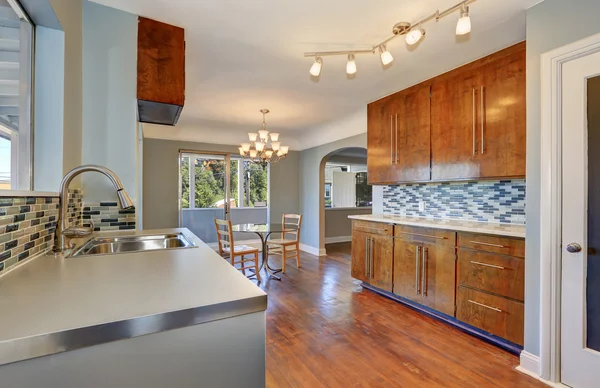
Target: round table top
[[262, 228]]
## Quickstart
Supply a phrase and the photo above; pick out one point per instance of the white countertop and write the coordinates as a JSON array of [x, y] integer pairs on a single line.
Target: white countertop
[[507, 230], [53, 295]]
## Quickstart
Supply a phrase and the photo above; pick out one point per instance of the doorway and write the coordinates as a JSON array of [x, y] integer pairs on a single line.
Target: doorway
[[220, 185]]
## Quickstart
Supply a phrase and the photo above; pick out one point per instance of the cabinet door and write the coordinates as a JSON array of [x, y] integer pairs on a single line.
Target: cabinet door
[[359, 256], [454, 127], [382, 250], [438, 275], [379, 142], [502, 117], [407, 275], [412, 127]]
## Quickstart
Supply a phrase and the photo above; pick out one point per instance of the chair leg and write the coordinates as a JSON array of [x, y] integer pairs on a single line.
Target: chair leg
[[283, 258], [298, 255], [256, 266], [243, 265]]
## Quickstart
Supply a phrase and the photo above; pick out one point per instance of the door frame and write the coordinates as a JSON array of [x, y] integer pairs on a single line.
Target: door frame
[[548, 365]]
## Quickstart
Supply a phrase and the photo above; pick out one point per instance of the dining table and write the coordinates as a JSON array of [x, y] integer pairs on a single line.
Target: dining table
[[264, 231]]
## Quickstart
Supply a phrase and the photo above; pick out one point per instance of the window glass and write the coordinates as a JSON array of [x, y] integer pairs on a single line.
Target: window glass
[[256, 187]]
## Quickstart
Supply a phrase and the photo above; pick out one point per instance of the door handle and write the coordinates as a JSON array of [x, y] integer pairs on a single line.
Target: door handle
[[573, 248], [371, 249], [474, 121], [482, 120], [367, 256], [391, 140], [396, 138], [417, 257], [424, 272]]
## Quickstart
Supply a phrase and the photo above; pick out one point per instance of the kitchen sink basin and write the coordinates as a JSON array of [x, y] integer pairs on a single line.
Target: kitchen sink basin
[[129, 244]]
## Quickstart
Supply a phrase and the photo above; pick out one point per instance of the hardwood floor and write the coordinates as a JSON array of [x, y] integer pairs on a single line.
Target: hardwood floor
[[324, 330]]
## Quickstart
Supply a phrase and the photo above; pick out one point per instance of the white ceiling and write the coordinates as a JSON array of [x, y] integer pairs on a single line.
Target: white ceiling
[[246, 55]]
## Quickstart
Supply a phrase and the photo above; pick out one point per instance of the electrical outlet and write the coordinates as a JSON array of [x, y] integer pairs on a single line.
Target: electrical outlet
[[421, 206]]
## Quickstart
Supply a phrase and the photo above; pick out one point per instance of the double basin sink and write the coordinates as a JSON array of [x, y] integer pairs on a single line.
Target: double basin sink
[[128, 244]]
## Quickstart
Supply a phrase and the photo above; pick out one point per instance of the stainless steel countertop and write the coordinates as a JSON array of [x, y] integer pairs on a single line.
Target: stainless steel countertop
[[55, 304], [507, 230]]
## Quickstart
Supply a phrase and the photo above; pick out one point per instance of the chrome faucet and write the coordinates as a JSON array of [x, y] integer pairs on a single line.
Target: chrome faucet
[[62, 227]]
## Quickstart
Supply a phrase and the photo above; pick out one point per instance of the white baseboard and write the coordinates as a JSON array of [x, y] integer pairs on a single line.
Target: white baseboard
[[312, 250], [530, 363], [338, 239]]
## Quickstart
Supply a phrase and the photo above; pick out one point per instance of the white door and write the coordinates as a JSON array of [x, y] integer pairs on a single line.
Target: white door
[[580, 312]]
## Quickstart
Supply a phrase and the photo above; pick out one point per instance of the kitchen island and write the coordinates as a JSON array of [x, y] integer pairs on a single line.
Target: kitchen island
[[175, 317]]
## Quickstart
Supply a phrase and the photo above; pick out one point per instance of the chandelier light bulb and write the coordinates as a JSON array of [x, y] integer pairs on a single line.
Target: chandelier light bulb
[[253, 153], [284, 149], [351, 65], [274, 136], [252, 137], [269, 153], [315, 69], [463, 26], [415, 35], [279, 153], [386, 57], [245, 147], [242, 153], [263, 134], [260, 146], [275, 145]]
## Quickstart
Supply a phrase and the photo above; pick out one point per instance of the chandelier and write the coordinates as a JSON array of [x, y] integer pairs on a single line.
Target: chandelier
[[264, 147]]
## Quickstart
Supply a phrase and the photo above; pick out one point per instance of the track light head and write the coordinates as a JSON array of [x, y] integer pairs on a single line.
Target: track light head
[[463, 26], [315, 69], [351, 65], [386, 57], [415, 35]]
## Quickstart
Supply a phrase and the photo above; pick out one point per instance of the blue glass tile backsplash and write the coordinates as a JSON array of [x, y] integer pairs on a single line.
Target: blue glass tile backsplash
[[486, 201]]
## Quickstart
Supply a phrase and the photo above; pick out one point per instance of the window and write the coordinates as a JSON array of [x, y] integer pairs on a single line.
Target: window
[[346, 185], [248, 183], [15, 97]]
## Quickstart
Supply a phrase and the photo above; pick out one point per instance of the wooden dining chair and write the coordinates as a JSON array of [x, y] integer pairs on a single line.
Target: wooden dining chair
[[289, 244], [229, 250]]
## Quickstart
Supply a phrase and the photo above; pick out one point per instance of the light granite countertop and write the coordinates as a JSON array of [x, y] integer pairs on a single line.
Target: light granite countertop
[[508, 230], [54, 304]]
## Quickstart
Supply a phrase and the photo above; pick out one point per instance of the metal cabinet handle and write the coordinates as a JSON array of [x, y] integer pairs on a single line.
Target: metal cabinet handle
[[371, 249], [424, 235], [391, 140], [474, 121], [487, 265], [487, 244], [424, 272], [396, 138], [486, 306], [482, 121], [417, 257], [370, 228], [367, 256]]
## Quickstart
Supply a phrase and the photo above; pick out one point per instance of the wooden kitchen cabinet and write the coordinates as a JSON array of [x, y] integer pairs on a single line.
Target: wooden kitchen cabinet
[[424, 267], [372, 254], [379, 142]]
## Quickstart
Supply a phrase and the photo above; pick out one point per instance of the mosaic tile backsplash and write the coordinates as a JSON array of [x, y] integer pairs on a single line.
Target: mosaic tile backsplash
[[486, 201], [108, 216]]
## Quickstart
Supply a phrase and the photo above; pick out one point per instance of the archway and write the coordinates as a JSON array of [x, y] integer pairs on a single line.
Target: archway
[[342, 192]]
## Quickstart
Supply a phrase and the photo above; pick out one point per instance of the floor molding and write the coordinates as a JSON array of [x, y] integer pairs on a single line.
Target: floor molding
[[530, 364], [338, 239], [312, 250]]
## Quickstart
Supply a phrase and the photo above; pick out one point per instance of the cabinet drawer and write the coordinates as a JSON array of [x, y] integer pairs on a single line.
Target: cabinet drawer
[[498, 274], [495, 244], [373, 227], [425, 235], [494, 314]]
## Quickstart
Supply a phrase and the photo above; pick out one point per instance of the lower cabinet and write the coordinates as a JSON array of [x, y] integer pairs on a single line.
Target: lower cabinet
[[478, 279], [425, 267], [372, 254]]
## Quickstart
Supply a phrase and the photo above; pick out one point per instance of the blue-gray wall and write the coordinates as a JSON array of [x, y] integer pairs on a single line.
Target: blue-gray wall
[[550, 24]]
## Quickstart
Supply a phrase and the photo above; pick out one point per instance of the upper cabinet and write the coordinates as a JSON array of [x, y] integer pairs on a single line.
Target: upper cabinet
[[161, 72], [465, 124]]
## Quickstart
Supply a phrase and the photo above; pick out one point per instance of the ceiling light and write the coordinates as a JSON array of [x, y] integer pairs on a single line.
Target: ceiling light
[[274, 136], [463, 26], [315, 69], [415, 35], [252, 136], [386, 57], [351, 65], [263, 148]]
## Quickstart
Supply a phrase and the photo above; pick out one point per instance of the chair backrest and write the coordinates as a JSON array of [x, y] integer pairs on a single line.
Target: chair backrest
[[224, 235], [294, 223]]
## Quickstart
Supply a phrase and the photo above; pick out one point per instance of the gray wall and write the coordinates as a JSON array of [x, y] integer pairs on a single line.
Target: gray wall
[[550, 24], [337, 223], [311, 190], [161, 181]]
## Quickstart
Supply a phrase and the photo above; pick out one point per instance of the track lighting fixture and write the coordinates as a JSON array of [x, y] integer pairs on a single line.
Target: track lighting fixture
[[386, 57], [315, 69], [414, 33], [351, 65], [463, 26]]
